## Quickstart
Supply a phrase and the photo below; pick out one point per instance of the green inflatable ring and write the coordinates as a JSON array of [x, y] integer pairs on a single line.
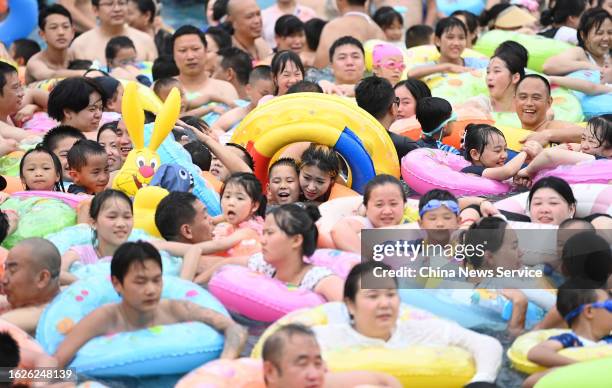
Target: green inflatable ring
[[539, 47], [9, 165], [592, 374]]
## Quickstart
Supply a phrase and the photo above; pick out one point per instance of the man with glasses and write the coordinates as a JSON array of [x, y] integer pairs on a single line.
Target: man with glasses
[[113, 22]]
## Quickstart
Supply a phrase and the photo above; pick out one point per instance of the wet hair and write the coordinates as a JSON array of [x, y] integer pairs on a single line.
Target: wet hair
[[4, 226], [305, 86], [514, 55], [432, 111], [237, 60], [173, 211], [109, 85], [59, 186], [200, 154], [385, 16], [25, 48], [601, 127], [357, 273], [53, 9], [288, 25], [535, 76], [164, 67], [477, 137], [5, 70], [72, 94], [260, 73], [279, 63], [587, 255], [145, 6], [561, 10], [471, 21], [251, 186], [221, 37], [59, 133], [449, 23], [293, 220], [246, 157], [344, 41], [575, 293], [79, 64], [274, 345], [290, 162], [164, 83], [9, 349], [439, 194], [591, 19], [110, 126], [115, 44], [322, 157], [488, 232], [418, 35], [380, 180], [189, 30], [130, 253], [571, 221], [375, 95], [416, 87], [81, 151], [559, 185], [313, 29], [100, 199]]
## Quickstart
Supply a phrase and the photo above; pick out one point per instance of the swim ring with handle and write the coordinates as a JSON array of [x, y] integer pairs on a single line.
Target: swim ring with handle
[[21, 20]]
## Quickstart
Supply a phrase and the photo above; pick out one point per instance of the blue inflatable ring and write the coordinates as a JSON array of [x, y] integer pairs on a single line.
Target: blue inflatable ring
[[159, 350], [447, 7], [592, 105], [20, 22]]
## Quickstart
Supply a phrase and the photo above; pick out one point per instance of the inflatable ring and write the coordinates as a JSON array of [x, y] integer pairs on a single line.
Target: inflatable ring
[[414, 366], [328, 120], [27, 345], [523, 344], [9, 164], [13, 184], [170, 349], [447, 7], [592, 105], [539, 47], [21, 20], [72, 200], [596, 171], [239, 373], [592, 374], [145, 205]]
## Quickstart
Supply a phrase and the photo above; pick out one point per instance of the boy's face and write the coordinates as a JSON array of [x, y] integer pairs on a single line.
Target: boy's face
[[61, 151], [94, 175], [348, 64], [58, 32], [258, 89], [142, 286], [601, 318], [12, 94], [125, 56], [439, 224], [284, 186]]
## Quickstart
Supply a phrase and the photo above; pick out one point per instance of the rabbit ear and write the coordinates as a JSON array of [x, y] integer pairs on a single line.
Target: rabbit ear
[[166, 118], [133, 115]]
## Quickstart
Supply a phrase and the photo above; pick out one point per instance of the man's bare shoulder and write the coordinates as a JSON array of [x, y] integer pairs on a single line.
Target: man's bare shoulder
[[137, 35], [86, 37]]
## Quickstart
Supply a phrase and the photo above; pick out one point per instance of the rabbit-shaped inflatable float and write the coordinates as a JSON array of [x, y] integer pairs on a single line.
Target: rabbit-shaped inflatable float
[[142, 162]]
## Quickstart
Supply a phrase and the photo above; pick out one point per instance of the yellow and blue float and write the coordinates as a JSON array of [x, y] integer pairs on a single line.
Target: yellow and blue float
[[319, 118]]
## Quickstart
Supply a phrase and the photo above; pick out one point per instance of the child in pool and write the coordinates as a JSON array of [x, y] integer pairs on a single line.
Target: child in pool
[[388, 62], [136, 273], [435, 116], [384, 201], [60, 140], [88, 167], [40, 169], [283, 182], [318, 170], [391, 22], [485, 147], [588, 87]]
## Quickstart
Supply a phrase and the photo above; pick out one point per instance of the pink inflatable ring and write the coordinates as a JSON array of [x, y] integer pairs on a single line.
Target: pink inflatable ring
[[597, 171]]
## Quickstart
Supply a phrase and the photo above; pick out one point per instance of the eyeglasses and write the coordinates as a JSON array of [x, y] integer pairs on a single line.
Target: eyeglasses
[[436, 204], [597, 305], [393, 65], [111, 4]]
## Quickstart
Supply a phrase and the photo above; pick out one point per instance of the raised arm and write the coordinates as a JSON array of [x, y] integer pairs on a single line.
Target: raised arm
[[38, 71], [506, 171], [79, 16], [580, 85], [553, 157], [425, 70]]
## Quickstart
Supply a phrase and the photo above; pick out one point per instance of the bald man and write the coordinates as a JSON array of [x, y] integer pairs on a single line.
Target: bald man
[[245, 17], [30, 282]]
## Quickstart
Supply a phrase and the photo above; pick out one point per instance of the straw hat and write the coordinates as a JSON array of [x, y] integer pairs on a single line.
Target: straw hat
[[514, 17]]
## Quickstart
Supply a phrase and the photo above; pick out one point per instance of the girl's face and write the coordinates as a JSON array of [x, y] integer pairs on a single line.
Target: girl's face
[[288, 77], [374, 312], [407, 105], [598, 40], [39, 172], [88, 119], [499, 79], [236, 204], [385, 206], [590, 145], [509, 255], [549, 207], [393, 33], [391, 68], [135, 18], [470, 35], [314, 182], [452, 43], [284, 186], [114, 222], [276, 245], [109, 140], [494, 153]]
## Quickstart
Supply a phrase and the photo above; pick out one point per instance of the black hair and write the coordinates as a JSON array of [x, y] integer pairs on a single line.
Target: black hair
[[290, 162], [449, 23], [379, 180], [432, 111], [471, 21], [587, 255], [164, 67], [81, 151], [288, 25], [416, 87], [219, 9], [200, 154], [221, 37], [352, 283], [59, 133], [322, 157], [602, 129], [52, 9], [100, 199], [4, 226], [251, 186], [488, 232], [164, 82], [72, 94], [418, 35], [514, 55], [343, 41], [260, 73], [109, 85], [79, 64], [173, 211], [592, 217], [305, 86], [490, 15], [535, 76], [279, 63], [110, 126], [591, 19], [575, 293], [477, 137], [375, 95], [145, 6], [25, 48], [246, 157], [5, 69], [272, 349], [570, 221], [554, 183], [356, 2], [313, 29], [115, 44], [9, 349], [237, 60], [133, 252], [439, 194], [561, 10], [293, 220], [189, 30], [59, 186], [385, 16]]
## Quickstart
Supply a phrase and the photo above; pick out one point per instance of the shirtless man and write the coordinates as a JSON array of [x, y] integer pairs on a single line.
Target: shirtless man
[[354, 19], [113, 22], [189, 49], [245, 17], [348, 65], [31, 280], [57, 30], [82, 12], [532, 100]]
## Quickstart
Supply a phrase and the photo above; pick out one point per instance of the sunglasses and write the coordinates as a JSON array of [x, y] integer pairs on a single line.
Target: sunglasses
[[597, 305], [393, 65]]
